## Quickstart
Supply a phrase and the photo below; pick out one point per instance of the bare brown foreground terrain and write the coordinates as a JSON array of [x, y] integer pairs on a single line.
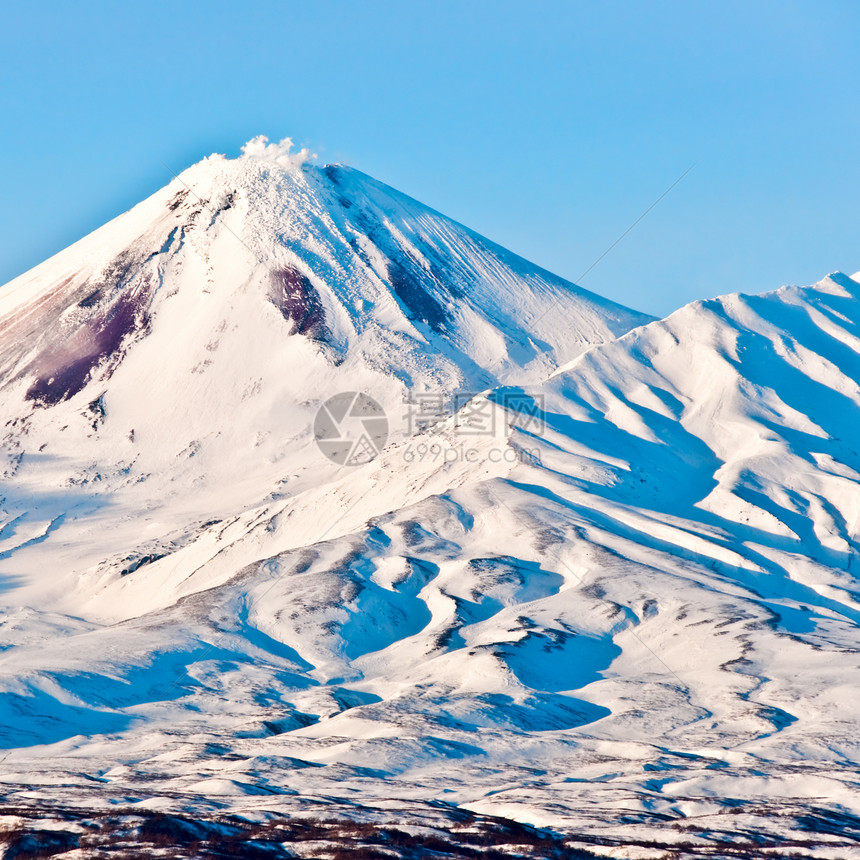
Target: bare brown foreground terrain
[[436, 831]]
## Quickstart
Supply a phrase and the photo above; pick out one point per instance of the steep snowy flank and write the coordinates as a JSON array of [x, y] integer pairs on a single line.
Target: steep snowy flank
[[366, 273], [189, 343], [628, 610]]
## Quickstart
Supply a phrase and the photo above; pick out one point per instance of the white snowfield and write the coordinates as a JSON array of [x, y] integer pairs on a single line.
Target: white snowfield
[[628, 610]]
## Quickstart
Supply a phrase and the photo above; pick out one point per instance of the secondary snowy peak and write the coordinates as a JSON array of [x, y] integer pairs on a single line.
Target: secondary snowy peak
[[748, 400], [738, 414]]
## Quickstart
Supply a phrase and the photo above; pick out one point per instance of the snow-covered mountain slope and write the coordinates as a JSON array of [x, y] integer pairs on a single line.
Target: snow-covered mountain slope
[[189, 343], [626, 609]]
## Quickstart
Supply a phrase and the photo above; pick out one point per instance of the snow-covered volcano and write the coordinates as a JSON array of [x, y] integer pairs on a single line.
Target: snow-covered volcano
[[190, 341], [628, 609]]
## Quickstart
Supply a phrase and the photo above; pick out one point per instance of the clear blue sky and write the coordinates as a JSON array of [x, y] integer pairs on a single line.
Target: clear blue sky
[[547, 126]]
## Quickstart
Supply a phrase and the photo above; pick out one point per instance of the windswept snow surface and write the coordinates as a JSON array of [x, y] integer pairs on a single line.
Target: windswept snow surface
[[629, 611]]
